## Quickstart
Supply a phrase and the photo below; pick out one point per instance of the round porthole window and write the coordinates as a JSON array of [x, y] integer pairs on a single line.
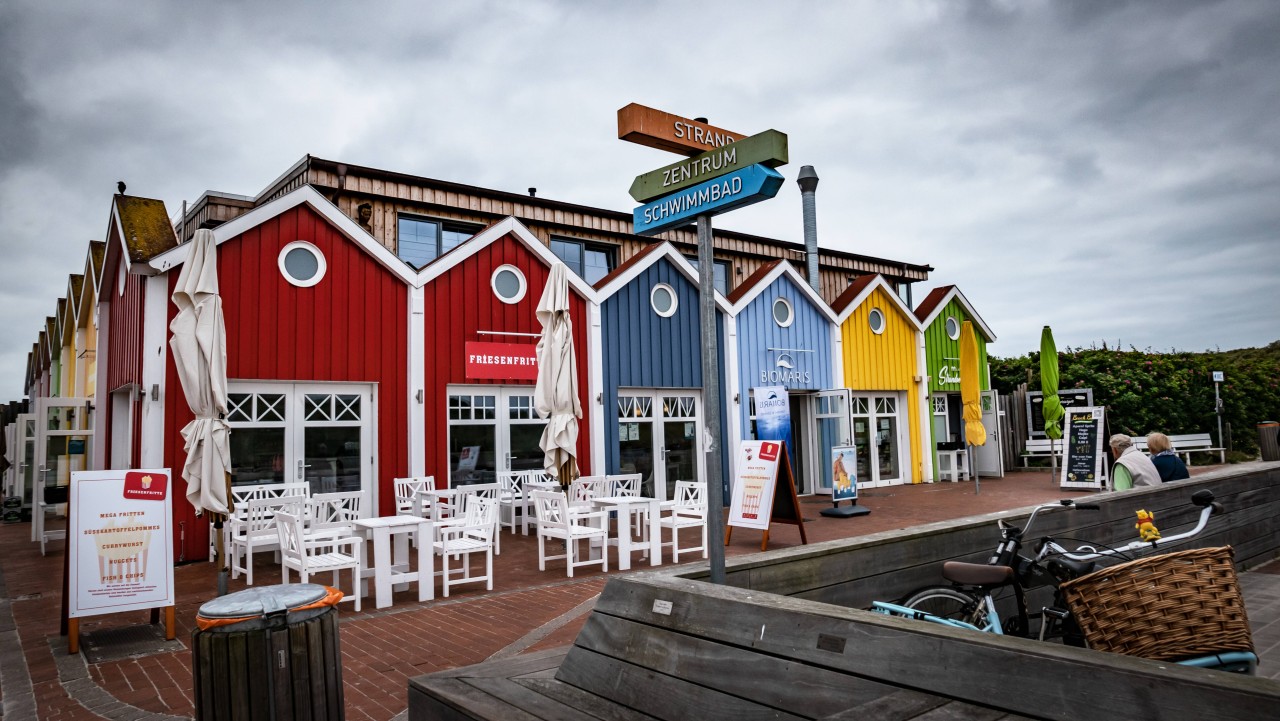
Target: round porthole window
[[121, 279], [953, 328], [302, 264], [508, 284], [663, 300], [783, 313], [876, 320]]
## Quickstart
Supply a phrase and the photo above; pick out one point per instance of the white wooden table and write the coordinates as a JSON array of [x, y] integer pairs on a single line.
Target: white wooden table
[[624, 505], [388, 568], [953, 465]]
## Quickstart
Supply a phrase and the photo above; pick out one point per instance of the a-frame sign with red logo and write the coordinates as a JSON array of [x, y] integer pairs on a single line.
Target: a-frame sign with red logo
[[764, 491]]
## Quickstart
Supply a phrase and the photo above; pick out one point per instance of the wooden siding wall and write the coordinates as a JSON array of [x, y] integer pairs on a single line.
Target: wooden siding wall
[[460, 303], [757, 332], [938, 347], [885, 362], [644, 350], [351, 327], [124, 344]]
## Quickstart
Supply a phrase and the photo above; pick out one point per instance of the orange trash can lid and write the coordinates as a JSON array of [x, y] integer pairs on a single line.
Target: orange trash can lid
[[266, 606]]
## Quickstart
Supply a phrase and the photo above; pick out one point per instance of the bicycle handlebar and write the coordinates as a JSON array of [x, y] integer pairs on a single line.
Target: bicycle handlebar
[[1203, 498]]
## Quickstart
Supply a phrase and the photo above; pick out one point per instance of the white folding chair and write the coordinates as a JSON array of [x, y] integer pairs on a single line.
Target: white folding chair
[[688, 510], [582, 490], [512, 501], [489, 491], [258, 531], [316, 555], [335, 513], [558, 519], [472, 533], [409, 498]]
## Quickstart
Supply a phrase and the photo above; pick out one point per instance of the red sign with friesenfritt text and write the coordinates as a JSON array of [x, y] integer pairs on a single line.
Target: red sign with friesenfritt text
[[502, 361]]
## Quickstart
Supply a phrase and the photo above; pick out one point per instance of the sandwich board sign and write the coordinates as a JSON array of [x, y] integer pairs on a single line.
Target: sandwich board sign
[[1084, 450], [764, 491]]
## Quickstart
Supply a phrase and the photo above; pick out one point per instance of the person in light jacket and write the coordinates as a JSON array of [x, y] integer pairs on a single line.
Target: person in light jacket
[[1132, 467], [1169, 465]]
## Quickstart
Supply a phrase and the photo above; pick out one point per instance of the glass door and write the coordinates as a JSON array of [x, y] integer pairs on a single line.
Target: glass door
[[335, 439], [658, 433], [62, 447], [877, 435], [524, 431], [832, 417], [491, 429], [26, 457]]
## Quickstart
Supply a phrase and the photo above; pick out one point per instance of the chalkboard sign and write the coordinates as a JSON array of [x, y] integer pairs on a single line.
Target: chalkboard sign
[[1085, 449], [1072, 398]]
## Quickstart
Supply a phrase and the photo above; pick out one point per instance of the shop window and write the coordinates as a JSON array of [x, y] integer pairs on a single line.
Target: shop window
[[663, 300], [591, 261], [876, 320], [508, 284], [953, 328], [939, 405], [421, 240], [302, 264], [783, 314], [721, 272]]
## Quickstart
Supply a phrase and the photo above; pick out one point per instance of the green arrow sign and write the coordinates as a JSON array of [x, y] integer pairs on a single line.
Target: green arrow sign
[[768, 148]]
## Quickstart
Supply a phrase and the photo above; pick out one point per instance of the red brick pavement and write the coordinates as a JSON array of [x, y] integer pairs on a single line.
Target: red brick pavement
[[383, 649]]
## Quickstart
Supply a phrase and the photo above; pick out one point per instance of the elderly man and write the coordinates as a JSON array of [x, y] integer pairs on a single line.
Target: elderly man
[[1132, 468]]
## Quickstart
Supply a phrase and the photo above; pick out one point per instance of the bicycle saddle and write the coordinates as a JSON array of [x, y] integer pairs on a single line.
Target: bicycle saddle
[[976, 574]]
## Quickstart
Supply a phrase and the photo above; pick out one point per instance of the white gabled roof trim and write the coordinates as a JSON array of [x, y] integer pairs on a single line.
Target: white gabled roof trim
[[308, 195], [968, 307], [665, 250], [785, 268], [899, 303]]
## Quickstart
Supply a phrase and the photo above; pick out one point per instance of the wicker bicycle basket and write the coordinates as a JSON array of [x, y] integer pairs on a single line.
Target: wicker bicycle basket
[[1168, 607]]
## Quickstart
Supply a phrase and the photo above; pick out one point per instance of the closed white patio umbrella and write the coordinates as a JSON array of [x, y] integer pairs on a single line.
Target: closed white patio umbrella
[[556, 393], [199, 344]]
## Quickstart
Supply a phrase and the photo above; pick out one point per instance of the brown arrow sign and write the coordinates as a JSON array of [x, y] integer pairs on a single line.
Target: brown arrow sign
[[768, 148], [664, 131]]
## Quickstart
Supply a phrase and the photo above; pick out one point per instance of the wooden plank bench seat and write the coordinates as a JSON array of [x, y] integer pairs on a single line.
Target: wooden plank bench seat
[[1183, 444]]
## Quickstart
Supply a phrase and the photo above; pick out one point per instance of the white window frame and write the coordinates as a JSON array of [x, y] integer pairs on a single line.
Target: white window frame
[[322, 266], [675, 301], [952, 320], [883, 321], [791, 312], [524, 284]]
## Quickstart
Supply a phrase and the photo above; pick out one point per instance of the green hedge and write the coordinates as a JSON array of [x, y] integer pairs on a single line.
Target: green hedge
[[1168, 392]]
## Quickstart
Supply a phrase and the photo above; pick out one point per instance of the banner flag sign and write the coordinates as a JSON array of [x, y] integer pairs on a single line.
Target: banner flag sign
[[502, 361], [773, 415], [844, 474], [768, 148], [664, 131], [740, 188], [119, 541], [751, 504], [1084, 450]]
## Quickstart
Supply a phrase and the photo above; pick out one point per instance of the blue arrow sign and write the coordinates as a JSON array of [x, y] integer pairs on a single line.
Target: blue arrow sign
[[751, 184]]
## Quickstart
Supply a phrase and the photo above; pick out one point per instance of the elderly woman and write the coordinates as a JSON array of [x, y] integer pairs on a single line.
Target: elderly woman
[[1167, 462], [1132, 467]]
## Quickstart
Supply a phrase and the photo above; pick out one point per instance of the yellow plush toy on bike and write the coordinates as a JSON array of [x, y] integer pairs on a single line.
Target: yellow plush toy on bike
[[1146, 526]]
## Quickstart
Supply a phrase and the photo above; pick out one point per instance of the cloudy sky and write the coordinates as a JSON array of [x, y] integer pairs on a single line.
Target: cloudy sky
[[1109, 168]]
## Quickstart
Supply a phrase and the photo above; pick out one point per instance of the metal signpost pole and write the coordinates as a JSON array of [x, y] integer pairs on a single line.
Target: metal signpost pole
[[711, 398], [1217, 406]]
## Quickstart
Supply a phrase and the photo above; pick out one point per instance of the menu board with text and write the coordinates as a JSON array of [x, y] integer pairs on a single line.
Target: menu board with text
[[1084, 450], [120, 541], [751, 504]]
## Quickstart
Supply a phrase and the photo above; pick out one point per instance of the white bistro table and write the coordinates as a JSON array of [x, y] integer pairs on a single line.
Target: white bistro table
[[391, 569], [624, 505]]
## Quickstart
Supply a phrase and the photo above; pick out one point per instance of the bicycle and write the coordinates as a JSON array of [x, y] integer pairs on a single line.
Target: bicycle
[[970, 599]]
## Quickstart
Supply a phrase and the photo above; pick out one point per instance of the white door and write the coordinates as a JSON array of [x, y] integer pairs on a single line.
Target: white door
[[122, 409], [987, 458], [491, 429], [63, 445], [657, 438], [25, 457], [879, 435], [321, 433], [832, 420]]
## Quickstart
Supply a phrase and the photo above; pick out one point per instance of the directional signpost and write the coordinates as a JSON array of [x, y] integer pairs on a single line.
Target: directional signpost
[[726, 170]]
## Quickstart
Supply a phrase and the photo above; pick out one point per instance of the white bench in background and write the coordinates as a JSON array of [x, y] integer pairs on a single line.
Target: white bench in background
[[1184, 445]]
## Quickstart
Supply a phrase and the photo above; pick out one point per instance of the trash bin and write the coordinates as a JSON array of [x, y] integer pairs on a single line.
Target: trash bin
[[1267, 440], [270, 652]]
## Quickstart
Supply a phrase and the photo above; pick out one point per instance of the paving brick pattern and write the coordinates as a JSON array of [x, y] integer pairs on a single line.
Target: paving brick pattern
[[527, 611]]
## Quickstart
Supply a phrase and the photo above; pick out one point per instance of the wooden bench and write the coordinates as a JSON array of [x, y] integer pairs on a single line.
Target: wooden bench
[[1184, 445]]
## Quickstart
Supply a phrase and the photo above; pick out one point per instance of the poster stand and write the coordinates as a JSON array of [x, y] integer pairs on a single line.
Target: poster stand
[[1084, 463], [154, 522], [785, 506], [844, 485]]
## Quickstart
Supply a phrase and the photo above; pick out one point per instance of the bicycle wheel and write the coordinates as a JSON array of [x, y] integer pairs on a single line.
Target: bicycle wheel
[[948, 602]]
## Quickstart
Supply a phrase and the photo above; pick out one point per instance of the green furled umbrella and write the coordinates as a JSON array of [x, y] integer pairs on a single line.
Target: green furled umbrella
[[1052, 408]]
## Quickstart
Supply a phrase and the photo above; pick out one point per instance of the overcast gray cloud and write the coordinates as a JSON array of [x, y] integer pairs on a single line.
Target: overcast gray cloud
[[1107, 168]]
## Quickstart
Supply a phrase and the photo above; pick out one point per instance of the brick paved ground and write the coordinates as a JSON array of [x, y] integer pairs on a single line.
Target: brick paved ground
[[527, 611]]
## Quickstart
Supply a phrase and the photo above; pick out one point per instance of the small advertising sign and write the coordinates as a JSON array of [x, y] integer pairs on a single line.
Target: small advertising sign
[[120, 541], [502, 361], [468, 458], [1218, 376], [751, 505], [1084, 449], [1070, 398], [773, 414], [844, 474]]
